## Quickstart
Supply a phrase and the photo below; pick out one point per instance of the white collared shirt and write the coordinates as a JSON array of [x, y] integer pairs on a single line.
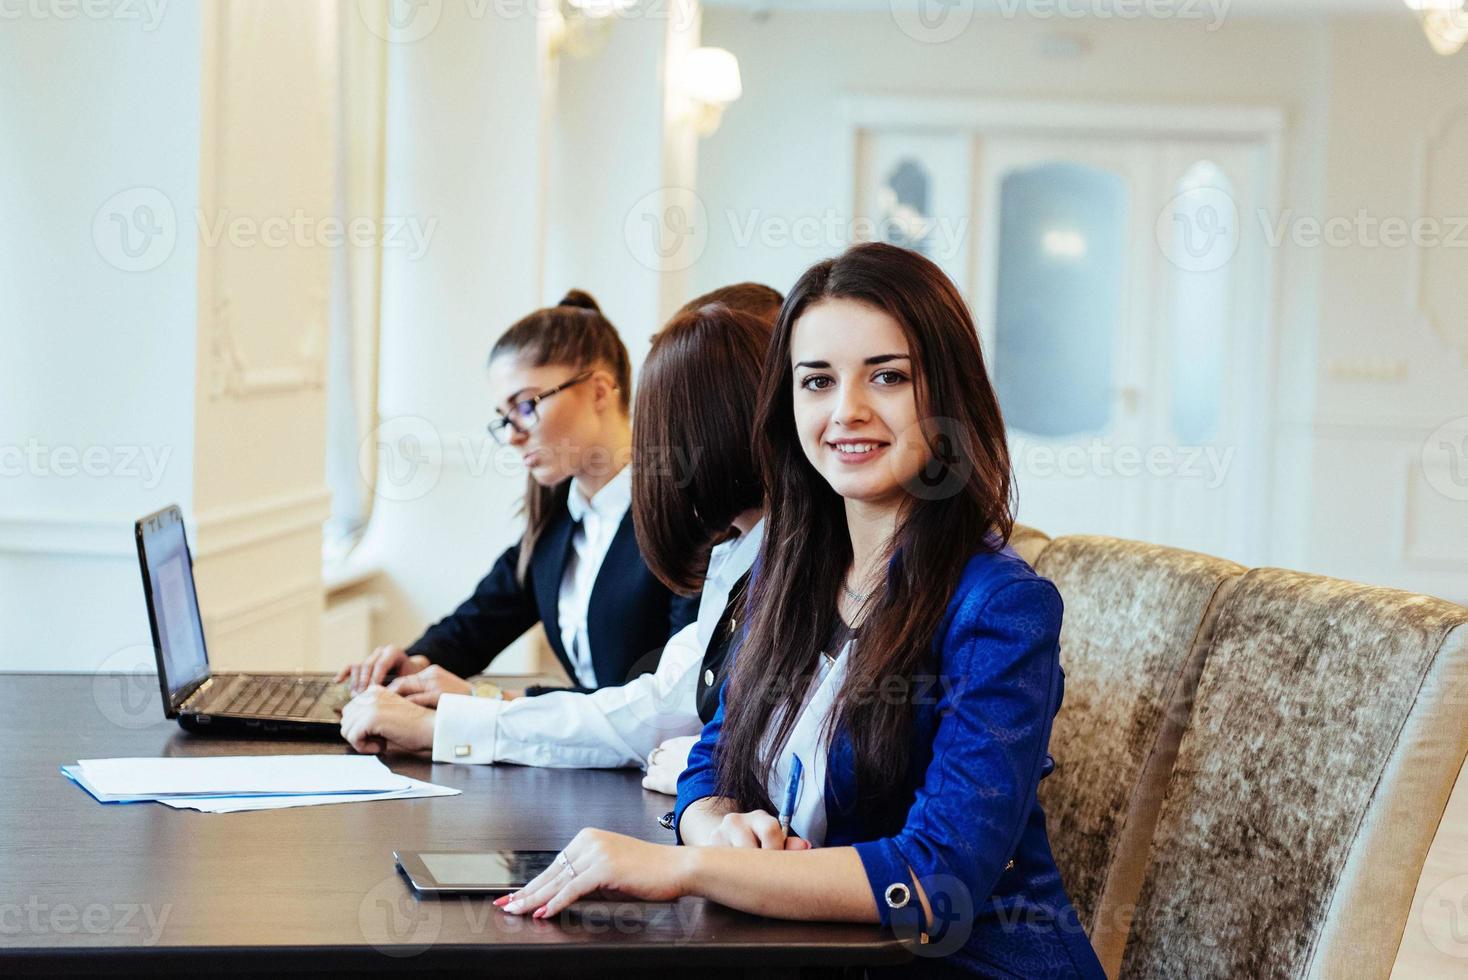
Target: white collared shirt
[[609, 728], [598, 520], [809, 740]]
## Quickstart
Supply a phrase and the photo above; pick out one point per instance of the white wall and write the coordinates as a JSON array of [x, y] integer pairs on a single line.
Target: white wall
[[464, 152], [620, 159], [267, 186], [95, 359], [588, 134], [1389, 506], [1359, 95]]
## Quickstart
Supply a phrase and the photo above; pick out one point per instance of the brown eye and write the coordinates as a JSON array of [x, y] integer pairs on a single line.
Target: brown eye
[[816, 382]]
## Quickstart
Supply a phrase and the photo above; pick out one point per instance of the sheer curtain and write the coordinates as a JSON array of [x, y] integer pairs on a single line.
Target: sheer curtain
[[351, 387]]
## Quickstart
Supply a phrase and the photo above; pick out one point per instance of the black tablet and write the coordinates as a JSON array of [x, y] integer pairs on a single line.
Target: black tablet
[[480, 872]]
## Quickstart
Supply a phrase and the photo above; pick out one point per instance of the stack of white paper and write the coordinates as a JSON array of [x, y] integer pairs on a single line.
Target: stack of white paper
[[226, 784]]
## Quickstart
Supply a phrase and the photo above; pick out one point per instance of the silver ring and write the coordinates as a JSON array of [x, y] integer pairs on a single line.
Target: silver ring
[[567, 862], [652, 760]]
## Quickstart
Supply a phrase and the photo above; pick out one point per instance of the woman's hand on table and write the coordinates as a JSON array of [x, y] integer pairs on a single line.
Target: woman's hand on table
[[599, 862], [666, 763]]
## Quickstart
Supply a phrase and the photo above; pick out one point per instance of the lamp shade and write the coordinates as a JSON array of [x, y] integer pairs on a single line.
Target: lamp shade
[[712, 76]]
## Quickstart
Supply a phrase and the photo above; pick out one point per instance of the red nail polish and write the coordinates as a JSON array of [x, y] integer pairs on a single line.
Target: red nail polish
[[502, 901], [539, 913]]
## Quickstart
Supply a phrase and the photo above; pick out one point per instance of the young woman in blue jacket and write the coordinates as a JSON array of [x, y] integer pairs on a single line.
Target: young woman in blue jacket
[[894, 645]]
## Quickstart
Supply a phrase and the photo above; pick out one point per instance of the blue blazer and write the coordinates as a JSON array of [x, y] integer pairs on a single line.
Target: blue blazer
[[629, 618], [973, 832]]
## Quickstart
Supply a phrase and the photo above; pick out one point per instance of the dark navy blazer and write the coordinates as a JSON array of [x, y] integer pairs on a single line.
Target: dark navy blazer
[[629, 618], [969, 807]]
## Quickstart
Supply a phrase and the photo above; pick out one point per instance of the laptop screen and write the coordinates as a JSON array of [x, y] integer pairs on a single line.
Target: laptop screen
[[178, 629]]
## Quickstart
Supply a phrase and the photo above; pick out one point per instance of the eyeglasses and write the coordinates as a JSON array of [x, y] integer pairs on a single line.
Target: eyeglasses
[[525, 415]]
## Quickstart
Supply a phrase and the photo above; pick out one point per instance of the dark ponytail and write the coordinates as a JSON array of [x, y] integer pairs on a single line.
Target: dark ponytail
[[574, 333]]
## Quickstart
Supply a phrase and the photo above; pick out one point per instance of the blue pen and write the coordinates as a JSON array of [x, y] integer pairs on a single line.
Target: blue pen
[[792, 793]]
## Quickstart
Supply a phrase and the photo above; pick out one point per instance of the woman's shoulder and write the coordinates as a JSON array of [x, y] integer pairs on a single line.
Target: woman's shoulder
[[1001, 581]]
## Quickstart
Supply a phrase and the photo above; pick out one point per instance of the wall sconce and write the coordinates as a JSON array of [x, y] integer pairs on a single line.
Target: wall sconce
[[711, 83], [1444, 21], [580, 28]]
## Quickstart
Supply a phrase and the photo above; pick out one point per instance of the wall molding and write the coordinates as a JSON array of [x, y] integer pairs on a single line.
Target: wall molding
[[230, 375], [1428, 165], [212, 533], [1040, 116], [262, 608], [1351, 426], [49, 535], [1426, 547], [230, 529], [231, 37]]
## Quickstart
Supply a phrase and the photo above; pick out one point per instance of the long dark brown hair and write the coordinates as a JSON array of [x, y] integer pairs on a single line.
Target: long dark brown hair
[[959, 506], [694, 469], [574, 333]]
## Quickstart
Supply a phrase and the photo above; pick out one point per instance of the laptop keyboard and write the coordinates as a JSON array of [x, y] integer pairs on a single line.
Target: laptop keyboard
[[277, 697]]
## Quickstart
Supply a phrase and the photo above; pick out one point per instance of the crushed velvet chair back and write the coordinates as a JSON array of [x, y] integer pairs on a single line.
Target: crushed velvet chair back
[[1330, 722], [1028, 542], [1135, 630]]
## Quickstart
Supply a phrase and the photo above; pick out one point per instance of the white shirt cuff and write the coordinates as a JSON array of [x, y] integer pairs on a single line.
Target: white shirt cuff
[[465, 729]]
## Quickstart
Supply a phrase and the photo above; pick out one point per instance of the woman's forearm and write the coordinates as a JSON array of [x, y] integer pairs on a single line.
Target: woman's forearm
[[826, 884], [701, 819]]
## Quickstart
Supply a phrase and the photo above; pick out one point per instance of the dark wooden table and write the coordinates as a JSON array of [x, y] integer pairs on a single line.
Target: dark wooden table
[[93, 888]]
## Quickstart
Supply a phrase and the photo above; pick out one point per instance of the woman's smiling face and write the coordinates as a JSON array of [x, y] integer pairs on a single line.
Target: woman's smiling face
[[856, 411]]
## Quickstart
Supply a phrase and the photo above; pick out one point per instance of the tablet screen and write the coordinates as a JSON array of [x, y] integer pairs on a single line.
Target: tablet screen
[[490, 869]]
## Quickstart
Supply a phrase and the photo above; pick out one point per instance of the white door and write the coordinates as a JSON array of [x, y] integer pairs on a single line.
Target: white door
[[1061, 303], [1113, 288]]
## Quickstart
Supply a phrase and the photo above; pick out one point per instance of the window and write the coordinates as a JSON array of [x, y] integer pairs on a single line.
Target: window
[[1062, 245]]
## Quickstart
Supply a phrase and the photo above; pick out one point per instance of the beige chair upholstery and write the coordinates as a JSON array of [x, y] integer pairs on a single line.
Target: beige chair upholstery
[[1028, 542], [1328, 729], [1130, 644]]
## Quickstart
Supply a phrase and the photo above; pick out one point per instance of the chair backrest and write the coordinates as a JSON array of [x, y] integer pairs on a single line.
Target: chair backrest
[[1136, 619], [1028, 542], [1328, 728]]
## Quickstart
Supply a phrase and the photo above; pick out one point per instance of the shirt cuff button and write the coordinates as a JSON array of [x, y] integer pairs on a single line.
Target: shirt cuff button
[[462, 750], [897, 895]]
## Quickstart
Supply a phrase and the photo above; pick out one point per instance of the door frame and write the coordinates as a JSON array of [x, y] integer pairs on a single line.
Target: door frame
[[985, 118]]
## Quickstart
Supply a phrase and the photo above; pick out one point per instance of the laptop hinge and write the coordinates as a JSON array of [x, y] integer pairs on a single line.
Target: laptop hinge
[[196, 691]]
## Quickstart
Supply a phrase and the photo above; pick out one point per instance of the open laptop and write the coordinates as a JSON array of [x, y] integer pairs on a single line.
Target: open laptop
[[202, 701]]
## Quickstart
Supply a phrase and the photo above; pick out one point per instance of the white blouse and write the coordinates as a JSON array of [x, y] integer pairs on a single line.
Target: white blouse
[[611, 727], [808, 739], [598, 520]]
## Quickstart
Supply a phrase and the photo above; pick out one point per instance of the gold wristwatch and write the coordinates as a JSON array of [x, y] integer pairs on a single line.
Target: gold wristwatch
[[487, 689]]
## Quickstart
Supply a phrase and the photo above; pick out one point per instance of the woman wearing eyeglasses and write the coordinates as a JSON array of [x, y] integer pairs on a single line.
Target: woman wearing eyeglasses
[[699, 528], [561, 380]]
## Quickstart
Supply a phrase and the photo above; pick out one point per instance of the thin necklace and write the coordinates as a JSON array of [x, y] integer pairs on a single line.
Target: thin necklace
[[853, 594]]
